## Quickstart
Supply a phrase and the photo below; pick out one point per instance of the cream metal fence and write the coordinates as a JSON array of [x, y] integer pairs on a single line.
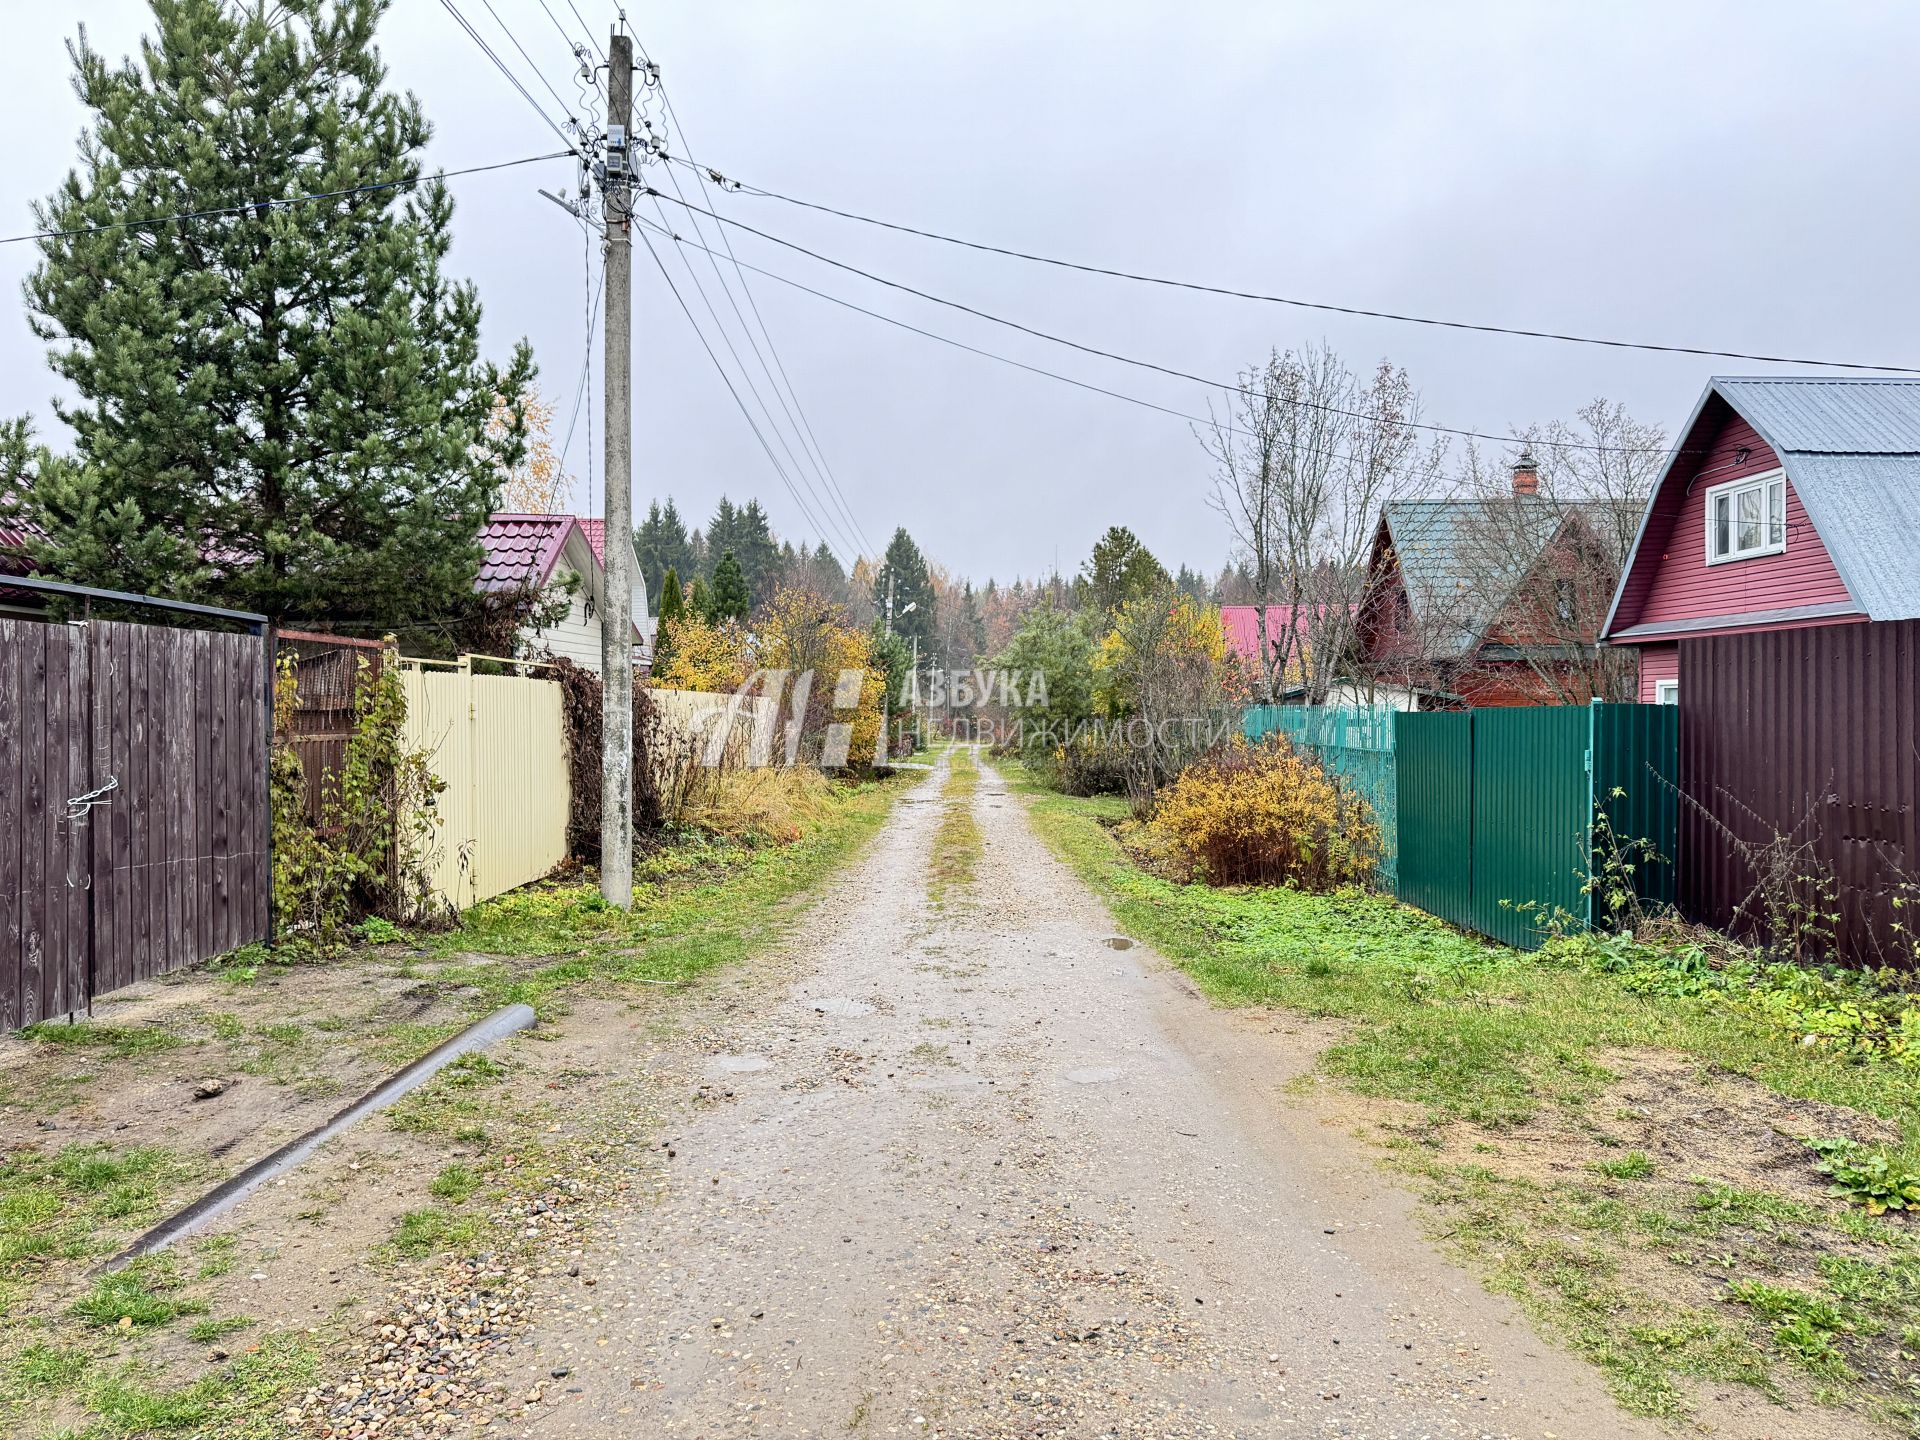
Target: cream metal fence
[[498, 744]]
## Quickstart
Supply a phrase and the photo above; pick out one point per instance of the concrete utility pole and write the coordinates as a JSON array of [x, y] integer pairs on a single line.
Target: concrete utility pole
[[616, 613]]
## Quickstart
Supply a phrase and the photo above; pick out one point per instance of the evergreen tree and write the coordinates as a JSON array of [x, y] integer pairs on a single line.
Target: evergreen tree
[[672, 607], [282, 409], [746, 531], [663, 544], [906, 568], [722, 531], [700, 599], [730, 599], [1120, 569]]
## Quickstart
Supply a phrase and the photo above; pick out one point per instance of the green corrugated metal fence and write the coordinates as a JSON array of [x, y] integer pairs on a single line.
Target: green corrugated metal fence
[[1497, 807], [1355, 743], [1434, 789]]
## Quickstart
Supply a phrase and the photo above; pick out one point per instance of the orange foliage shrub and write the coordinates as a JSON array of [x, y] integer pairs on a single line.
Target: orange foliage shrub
[[1266, 814]]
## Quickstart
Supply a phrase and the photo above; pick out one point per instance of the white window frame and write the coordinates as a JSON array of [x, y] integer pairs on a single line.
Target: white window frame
[[1764, 482], [1666, 692]]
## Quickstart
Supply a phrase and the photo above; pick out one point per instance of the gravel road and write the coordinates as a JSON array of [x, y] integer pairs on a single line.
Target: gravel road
[[978, 1172]]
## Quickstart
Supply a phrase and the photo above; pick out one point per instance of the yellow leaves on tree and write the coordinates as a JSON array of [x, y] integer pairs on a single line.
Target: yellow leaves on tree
[[702, 655], [536, 485], [1267, 814], [1163, 650], [799, 634]]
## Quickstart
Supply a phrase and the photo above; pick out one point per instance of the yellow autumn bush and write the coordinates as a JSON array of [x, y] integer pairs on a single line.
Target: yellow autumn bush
[[1268, 815]]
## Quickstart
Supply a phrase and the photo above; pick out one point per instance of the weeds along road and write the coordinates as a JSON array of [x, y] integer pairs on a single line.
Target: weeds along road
[[978, 1173]]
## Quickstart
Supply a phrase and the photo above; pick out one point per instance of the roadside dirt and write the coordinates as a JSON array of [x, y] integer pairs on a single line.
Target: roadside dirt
[[974, 1171]]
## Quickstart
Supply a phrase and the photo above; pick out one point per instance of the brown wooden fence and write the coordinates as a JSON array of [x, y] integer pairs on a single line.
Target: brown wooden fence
[[327, 675], [1810, 734], [134, 827]]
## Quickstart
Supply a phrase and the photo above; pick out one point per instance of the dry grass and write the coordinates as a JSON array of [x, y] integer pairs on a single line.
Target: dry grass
[[774, 804]]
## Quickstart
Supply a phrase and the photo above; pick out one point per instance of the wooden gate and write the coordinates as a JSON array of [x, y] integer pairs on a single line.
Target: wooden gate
[[134, 827]]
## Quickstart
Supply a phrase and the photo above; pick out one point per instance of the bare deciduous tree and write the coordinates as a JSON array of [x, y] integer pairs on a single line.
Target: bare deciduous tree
[[1544, 541], [1306, 459]]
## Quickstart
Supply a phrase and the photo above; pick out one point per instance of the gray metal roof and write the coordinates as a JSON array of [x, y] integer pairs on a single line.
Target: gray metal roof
[[1849, 417], [1460, 561], [1851, 447]]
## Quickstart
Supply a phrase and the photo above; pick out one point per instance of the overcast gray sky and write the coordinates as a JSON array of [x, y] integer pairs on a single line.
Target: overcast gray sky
[[1733, 175]]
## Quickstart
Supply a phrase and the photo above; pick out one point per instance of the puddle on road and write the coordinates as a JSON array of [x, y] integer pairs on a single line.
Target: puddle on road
[[1094, 1075], [1117, 942], [738, 1064], [843, 1007]]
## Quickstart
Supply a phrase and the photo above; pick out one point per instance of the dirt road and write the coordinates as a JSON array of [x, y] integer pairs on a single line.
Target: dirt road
[[978, 1173]]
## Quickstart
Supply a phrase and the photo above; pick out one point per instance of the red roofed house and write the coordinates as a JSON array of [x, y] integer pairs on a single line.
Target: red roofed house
[[1242, 624], [548, 550]]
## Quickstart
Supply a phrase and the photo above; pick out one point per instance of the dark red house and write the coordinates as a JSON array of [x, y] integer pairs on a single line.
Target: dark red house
[[1787, 503], [1774, 594], [1483, 602]]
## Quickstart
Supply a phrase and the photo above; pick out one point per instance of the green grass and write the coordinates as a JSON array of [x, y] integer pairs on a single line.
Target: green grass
[[956, 843], [119, 1041], [236, 1402], [1480, 1039], [142, 1296], [454, 1184], [76, 1202], [432, 1230], [205, 1332]]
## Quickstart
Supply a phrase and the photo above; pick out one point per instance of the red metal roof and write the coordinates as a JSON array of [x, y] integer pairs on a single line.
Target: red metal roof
[[13, 548], [596, 532], [521, 549]]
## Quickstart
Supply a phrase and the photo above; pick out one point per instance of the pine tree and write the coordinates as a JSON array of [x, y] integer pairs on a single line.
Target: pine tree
[[672, 607], [1121, 569], [730, 599], [906, 567], [663, 544], [700, 599], [284, 408]]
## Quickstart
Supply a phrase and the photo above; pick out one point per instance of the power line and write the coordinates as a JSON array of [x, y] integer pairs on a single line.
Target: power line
[[1488, 329], [842, 530], [586, 373], [1228, 385], [962, 345], [817, 454], [765, 409], [261, 207], [538, 73], [746, 375], [727, 380], [502, 67]]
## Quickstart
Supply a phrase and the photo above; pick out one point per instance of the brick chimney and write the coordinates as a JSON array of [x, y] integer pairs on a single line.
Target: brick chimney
[[1526, 474]]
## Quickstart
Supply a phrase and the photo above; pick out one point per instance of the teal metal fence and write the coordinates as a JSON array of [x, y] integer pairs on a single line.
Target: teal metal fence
[[1354, 743], [1497, 812]]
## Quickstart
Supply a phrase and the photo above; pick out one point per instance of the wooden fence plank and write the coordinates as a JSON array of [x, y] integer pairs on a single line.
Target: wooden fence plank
[[102, 669], [76, 831], [33, 828], [219, 687], [12, 718], [174, 797], [148, 894], [205, 782]]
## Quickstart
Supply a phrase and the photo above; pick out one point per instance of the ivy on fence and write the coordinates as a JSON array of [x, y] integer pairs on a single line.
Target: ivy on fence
[[369, 853]]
